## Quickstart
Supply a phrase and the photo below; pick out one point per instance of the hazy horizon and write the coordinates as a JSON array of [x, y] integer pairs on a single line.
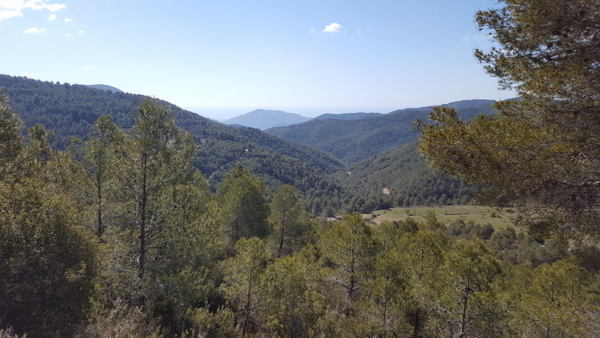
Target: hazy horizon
[[226, 113]]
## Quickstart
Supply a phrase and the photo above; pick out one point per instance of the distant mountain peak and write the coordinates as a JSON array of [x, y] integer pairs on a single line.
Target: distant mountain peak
[[106, 87], [266, 118]]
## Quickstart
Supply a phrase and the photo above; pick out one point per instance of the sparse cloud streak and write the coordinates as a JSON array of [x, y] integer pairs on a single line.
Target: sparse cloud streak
[[477, 37], [36, 31], [9, 14], [333, 28]]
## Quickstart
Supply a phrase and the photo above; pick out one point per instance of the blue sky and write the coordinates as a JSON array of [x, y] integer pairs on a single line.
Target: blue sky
[[214, 55]]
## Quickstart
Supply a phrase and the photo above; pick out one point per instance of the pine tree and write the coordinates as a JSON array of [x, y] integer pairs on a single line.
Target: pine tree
[[288, 217], [97, 159], [244, 207], [10, 136], [48, 261], [349, 248], [543, 149], [152, 161], [242, 279]]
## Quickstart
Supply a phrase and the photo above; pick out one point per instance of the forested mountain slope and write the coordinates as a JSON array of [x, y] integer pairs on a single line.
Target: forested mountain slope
[[71, 110], [400, 177], [358, 139]]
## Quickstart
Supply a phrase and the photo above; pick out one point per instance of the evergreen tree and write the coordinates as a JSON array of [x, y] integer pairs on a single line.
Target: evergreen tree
[[97, 159], [10, 136], [468, 293], [48, 261], [242, 280], [287, 305], [349, 248], [385, 303], [288, 217], [244, 208], [419, 257], [152, 162], [551, 300], [547, 141]]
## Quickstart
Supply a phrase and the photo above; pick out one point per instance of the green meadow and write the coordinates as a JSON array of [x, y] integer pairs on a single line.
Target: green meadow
[[497, 217]]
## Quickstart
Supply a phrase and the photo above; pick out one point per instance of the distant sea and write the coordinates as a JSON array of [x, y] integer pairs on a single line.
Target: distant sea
[[225, 113]]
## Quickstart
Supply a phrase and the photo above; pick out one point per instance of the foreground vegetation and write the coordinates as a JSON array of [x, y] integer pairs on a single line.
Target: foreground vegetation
[[120, 236]]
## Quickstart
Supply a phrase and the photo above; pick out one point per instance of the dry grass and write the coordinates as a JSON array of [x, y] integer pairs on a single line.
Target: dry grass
[[498, 218]]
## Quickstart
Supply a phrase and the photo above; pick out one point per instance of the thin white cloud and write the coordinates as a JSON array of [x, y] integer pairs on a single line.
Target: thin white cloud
[[52, 17], [89, 68], [37, 5], [333, 28], [477, 37], [81, 32], [9, 14], [14, 8], [68, 20], [36, 31]]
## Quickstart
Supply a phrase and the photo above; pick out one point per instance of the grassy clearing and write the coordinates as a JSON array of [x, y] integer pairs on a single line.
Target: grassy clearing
[[498, 218]]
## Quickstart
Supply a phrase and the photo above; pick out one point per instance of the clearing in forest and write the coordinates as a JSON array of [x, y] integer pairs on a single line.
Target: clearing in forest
[[498, 218]]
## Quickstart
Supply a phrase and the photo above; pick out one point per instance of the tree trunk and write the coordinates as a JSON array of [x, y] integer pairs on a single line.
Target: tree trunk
[[99, 209], [247, 312], [143, 207], [281, 237], [464, 315]]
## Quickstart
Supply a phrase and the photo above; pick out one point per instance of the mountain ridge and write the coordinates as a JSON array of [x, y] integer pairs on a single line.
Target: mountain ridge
[[353, 140]]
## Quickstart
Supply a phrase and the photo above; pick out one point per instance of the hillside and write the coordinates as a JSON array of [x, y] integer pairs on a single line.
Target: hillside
[[70, 110], [400, 177], [318, 174], [264, 119], [355, 140]]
